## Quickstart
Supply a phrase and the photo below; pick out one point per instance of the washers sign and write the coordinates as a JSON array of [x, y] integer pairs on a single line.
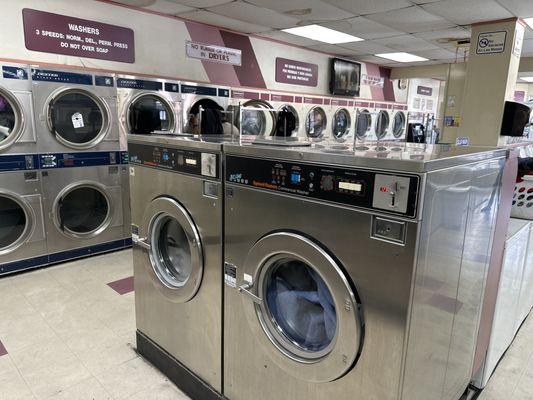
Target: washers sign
[[491, 42], [212, 53]]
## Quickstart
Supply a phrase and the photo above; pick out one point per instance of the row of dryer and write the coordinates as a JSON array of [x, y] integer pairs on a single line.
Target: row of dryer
[[353, 280]]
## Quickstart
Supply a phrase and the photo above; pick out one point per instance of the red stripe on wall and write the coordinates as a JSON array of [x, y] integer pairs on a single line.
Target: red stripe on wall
[[377, 91], [388, 89]]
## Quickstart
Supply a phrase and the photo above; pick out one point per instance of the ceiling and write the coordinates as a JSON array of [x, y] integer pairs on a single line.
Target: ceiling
[[427, 28]]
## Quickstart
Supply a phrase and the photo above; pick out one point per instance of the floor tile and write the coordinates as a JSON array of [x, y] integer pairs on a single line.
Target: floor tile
[[13, 387], [160, 391], [89, 389]]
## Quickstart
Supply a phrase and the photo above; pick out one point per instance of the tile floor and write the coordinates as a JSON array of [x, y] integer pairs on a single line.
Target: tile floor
[[68, 332]]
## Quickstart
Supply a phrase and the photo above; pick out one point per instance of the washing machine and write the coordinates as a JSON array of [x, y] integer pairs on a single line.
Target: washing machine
[[399, 123], [316, 122], [17, 133], [22, 230], [86, 203], [342, 121], [199, 97], [355, 281], [148, 105], [177, 225], [254, 112], [364, 122], [286, 102], [74, 111], [382, 125]]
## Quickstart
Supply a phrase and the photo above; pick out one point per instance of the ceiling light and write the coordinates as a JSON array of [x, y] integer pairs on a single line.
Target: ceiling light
[[401, 57], [322, 34], [529, 21], [527, 79]]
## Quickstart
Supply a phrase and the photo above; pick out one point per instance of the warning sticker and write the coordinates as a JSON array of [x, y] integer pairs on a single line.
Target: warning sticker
[[230, 275], [77, 120], [491, 42]]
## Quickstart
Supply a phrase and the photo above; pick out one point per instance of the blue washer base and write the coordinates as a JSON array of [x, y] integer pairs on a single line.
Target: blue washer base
[[22, 265]]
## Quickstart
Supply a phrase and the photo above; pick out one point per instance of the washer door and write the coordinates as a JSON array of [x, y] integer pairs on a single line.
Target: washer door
[[148, 113], [302, 308], [260, 120], [83, 210], [316, 122], [398, 127], [341, 124], [382, 124], [11, 119], [363, 124], [16, 222], [77, 118], [174, 249]]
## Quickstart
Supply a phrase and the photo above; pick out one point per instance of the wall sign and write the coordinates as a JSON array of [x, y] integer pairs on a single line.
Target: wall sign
[[462, 141], [370, 80], [519, 40], [491, 42], [61, 34], [296, 72], [218, 54], [424, 91]]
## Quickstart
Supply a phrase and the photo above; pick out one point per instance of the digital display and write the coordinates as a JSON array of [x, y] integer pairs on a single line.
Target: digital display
[[190, 161], [352, 187], [295, 177]]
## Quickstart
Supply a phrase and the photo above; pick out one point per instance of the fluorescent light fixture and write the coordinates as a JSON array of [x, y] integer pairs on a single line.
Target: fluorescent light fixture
[[529, 21], [527, 79], [322, 34], [401, 57]]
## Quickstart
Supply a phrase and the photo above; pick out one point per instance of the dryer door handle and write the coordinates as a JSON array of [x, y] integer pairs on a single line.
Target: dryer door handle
[[245, 289], [142, 242]]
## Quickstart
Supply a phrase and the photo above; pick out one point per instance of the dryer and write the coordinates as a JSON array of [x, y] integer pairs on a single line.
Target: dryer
[[148, 105], [399, 123], [258, 117], [280, 101], [22, 230], [17, 133], [86, 203], [74, 110], [350, 280], [177, 225], [197, 96], [342, 126], [316, 122], [364, 121], [382, 125]]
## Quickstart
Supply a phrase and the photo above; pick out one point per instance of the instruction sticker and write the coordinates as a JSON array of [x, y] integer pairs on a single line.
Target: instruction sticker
[[77, 120], [230, 275], [491, 42]]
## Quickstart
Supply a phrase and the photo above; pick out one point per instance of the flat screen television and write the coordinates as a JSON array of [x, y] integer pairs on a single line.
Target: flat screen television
[[345, 78], [515, 118]]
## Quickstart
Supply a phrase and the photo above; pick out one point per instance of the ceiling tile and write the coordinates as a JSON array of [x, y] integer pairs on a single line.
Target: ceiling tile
[[168, 7], [304, 10], [520, 8], [363, 7], [288, 38], [527, 47], [411, 20], [363, 28], [208, 17], [437, 54], [367, 47], [371, 59], [201, 3], [137, 3], [468, 12], [528, 34], [452, 33], [336, 50], [407, 43], [255, 15]]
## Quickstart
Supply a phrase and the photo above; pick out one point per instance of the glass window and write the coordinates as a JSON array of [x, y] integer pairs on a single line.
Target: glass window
[[398, 124], [341, 123], [364, 122], [171, 251], [8, 118], [149, 113], [382, 124], [76, 117], [12, 221], [83, 210], [316, 122], [300, 305]]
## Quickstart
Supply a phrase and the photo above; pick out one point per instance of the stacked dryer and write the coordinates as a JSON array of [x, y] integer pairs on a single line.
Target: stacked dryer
[[83, 166]]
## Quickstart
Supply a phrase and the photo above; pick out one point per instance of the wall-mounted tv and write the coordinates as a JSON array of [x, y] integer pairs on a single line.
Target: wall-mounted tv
[[345, 78]]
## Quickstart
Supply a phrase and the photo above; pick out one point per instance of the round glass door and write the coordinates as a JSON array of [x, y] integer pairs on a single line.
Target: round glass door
[[305, 311], [382, 124], [341, 124], [83, 211], [363, 124], [258, 119], [175, 250], [14, 222], [316, 122], [287, 121], [149, 113], [11, 119], [398, 126], [77, 118]]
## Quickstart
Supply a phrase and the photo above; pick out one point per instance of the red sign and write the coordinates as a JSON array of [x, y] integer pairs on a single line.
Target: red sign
[[61, 34], [296, 72]]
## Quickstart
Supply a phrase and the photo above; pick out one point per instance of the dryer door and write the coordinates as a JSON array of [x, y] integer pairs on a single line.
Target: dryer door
[[148, 113], [382, 124], [174, 249], [398, 124], [16, 222], [78, 118], [11, 119], [363, 124], [302, 307]]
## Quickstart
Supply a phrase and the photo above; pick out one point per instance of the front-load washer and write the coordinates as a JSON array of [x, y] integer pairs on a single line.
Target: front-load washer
[[382, 126], [17, 133], [342, 124], [399, 123], [204, 101], [148, 106], [177, 206], [22, 230], [316, 123], [74, 110], [364, 123], [286, 103], [86, 203], [356, 281]]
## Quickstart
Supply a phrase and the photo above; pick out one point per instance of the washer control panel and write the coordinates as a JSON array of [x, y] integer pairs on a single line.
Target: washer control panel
[[362, 188]]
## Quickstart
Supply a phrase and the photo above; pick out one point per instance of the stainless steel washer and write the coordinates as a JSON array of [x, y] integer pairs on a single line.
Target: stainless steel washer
[[74, 111], [364, 275], [177, 205]]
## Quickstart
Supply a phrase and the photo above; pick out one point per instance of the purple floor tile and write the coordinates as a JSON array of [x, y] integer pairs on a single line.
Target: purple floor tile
[[122, 286], [3, 350]]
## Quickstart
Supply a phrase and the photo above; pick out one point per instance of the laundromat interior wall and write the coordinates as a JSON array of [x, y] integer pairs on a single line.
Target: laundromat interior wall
[[160, 50]]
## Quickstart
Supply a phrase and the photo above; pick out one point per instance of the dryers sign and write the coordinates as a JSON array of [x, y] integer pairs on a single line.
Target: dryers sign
[[218, 54], [491, 42], [61, 34]]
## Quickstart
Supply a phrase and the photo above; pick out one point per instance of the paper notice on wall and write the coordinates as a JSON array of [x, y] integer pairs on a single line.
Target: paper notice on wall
[[77, 120], [218, 54], [518, 40]]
